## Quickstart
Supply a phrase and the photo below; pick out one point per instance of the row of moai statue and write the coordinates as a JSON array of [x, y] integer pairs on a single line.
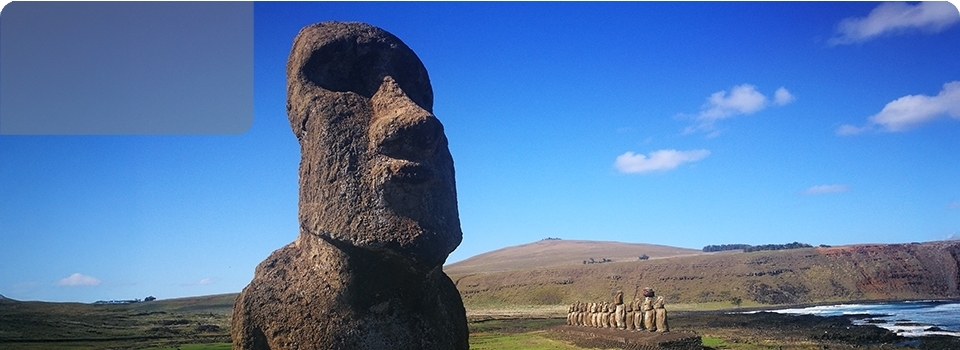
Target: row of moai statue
[[647, 314]]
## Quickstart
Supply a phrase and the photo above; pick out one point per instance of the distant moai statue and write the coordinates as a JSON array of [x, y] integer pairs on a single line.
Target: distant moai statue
[[582, 314], [661, 315], [578, 314], [638, 313], [619, 311], [592, 315], [598, 311], [647, 307], [648, 313], [607, 314], [604, 315], [598, 316]]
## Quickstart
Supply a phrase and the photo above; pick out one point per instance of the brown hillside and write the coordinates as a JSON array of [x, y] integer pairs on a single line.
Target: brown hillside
[[859, 272], [556, 252]]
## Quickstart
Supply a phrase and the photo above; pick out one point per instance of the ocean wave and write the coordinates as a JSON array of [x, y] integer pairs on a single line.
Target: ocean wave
[[909, 318]]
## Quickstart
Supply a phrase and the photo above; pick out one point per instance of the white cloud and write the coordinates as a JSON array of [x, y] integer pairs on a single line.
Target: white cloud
[[894, 17], [912, 110], [78, 279], [783, 97], [825, 189], [201, 282], [661, 160], [742, 99], [847, 129]]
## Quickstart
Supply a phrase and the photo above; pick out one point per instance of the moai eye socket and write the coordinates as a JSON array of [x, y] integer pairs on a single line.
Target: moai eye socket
[[345, 66]]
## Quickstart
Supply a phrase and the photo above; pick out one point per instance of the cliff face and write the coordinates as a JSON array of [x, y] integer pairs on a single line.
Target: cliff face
[[858, 272], [890, 271]]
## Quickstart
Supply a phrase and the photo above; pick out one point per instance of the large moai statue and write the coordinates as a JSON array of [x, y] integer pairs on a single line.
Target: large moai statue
[[377, 210], [628, 316]]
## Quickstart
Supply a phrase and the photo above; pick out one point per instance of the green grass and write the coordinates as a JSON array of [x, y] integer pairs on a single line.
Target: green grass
[[714, 343], [42, 325], [211, 346], [535, 340]]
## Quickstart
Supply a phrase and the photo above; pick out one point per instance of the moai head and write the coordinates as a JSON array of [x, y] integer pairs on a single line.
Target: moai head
[[375, 170], [658, 303]]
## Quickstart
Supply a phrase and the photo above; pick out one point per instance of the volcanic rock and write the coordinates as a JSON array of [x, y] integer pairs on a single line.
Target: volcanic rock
[[378, 209]]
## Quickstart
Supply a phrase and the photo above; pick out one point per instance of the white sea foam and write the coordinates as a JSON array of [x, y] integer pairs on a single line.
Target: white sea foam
[[909, 318]]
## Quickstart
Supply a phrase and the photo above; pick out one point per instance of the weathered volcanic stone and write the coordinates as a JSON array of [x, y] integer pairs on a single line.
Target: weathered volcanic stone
[[378, 207]]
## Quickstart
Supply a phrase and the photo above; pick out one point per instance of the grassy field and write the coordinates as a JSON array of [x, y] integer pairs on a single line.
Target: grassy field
[[554, 253], [161, 323], [517, 308], [186, 324]]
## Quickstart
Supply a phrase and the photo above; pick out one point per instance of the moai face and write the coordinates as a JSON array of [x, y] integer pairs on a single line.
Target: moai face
[[375, 171]]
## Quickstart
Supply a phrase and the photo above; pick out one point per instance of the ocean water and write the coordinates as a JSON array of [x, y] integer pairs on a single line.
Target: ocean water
[[907, 318]]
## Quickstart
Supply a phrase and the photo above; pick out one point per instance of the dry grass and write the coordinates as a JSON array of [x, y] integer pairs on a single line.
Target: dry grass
[[555, 253], [717, 280], [40, 325]]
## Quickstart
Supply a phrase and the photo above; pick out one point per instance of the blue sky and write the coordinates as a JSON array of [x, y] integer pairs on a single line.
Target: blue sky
[[683, 124]]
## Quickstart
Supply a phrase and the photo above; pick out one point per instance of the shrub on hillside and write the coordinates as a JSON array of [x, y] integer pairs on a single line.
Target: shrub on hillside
[[751, 248]]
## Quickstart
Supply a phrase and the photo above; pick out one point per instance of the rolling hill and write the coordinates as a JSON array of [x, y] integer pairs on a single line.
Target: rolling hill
[[552, 272], [48, 325], [550, 253]]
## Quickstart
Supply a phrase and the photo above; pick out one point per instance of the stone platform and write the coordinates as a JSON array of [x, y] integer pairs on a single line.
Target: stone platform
[[624, 339]]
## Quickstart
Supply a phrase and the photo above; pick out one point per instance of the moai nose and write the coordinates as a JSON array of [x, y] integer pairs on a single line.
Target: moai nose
[[402, 129]]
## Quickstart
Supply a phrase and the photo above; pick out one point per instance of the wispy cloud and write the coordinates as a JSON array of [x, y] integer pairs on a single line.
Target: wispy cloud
[[953, 205], [896, 17], [912, 110], [826, 189], [662, 160], [201, 282], [78, 279], [847, 130], [740, 100], [783, 97]]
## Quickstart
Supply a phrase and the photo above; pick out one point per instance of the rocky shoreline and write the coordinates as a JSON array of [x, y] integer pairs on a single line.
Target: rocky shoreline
[[826, 331]]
